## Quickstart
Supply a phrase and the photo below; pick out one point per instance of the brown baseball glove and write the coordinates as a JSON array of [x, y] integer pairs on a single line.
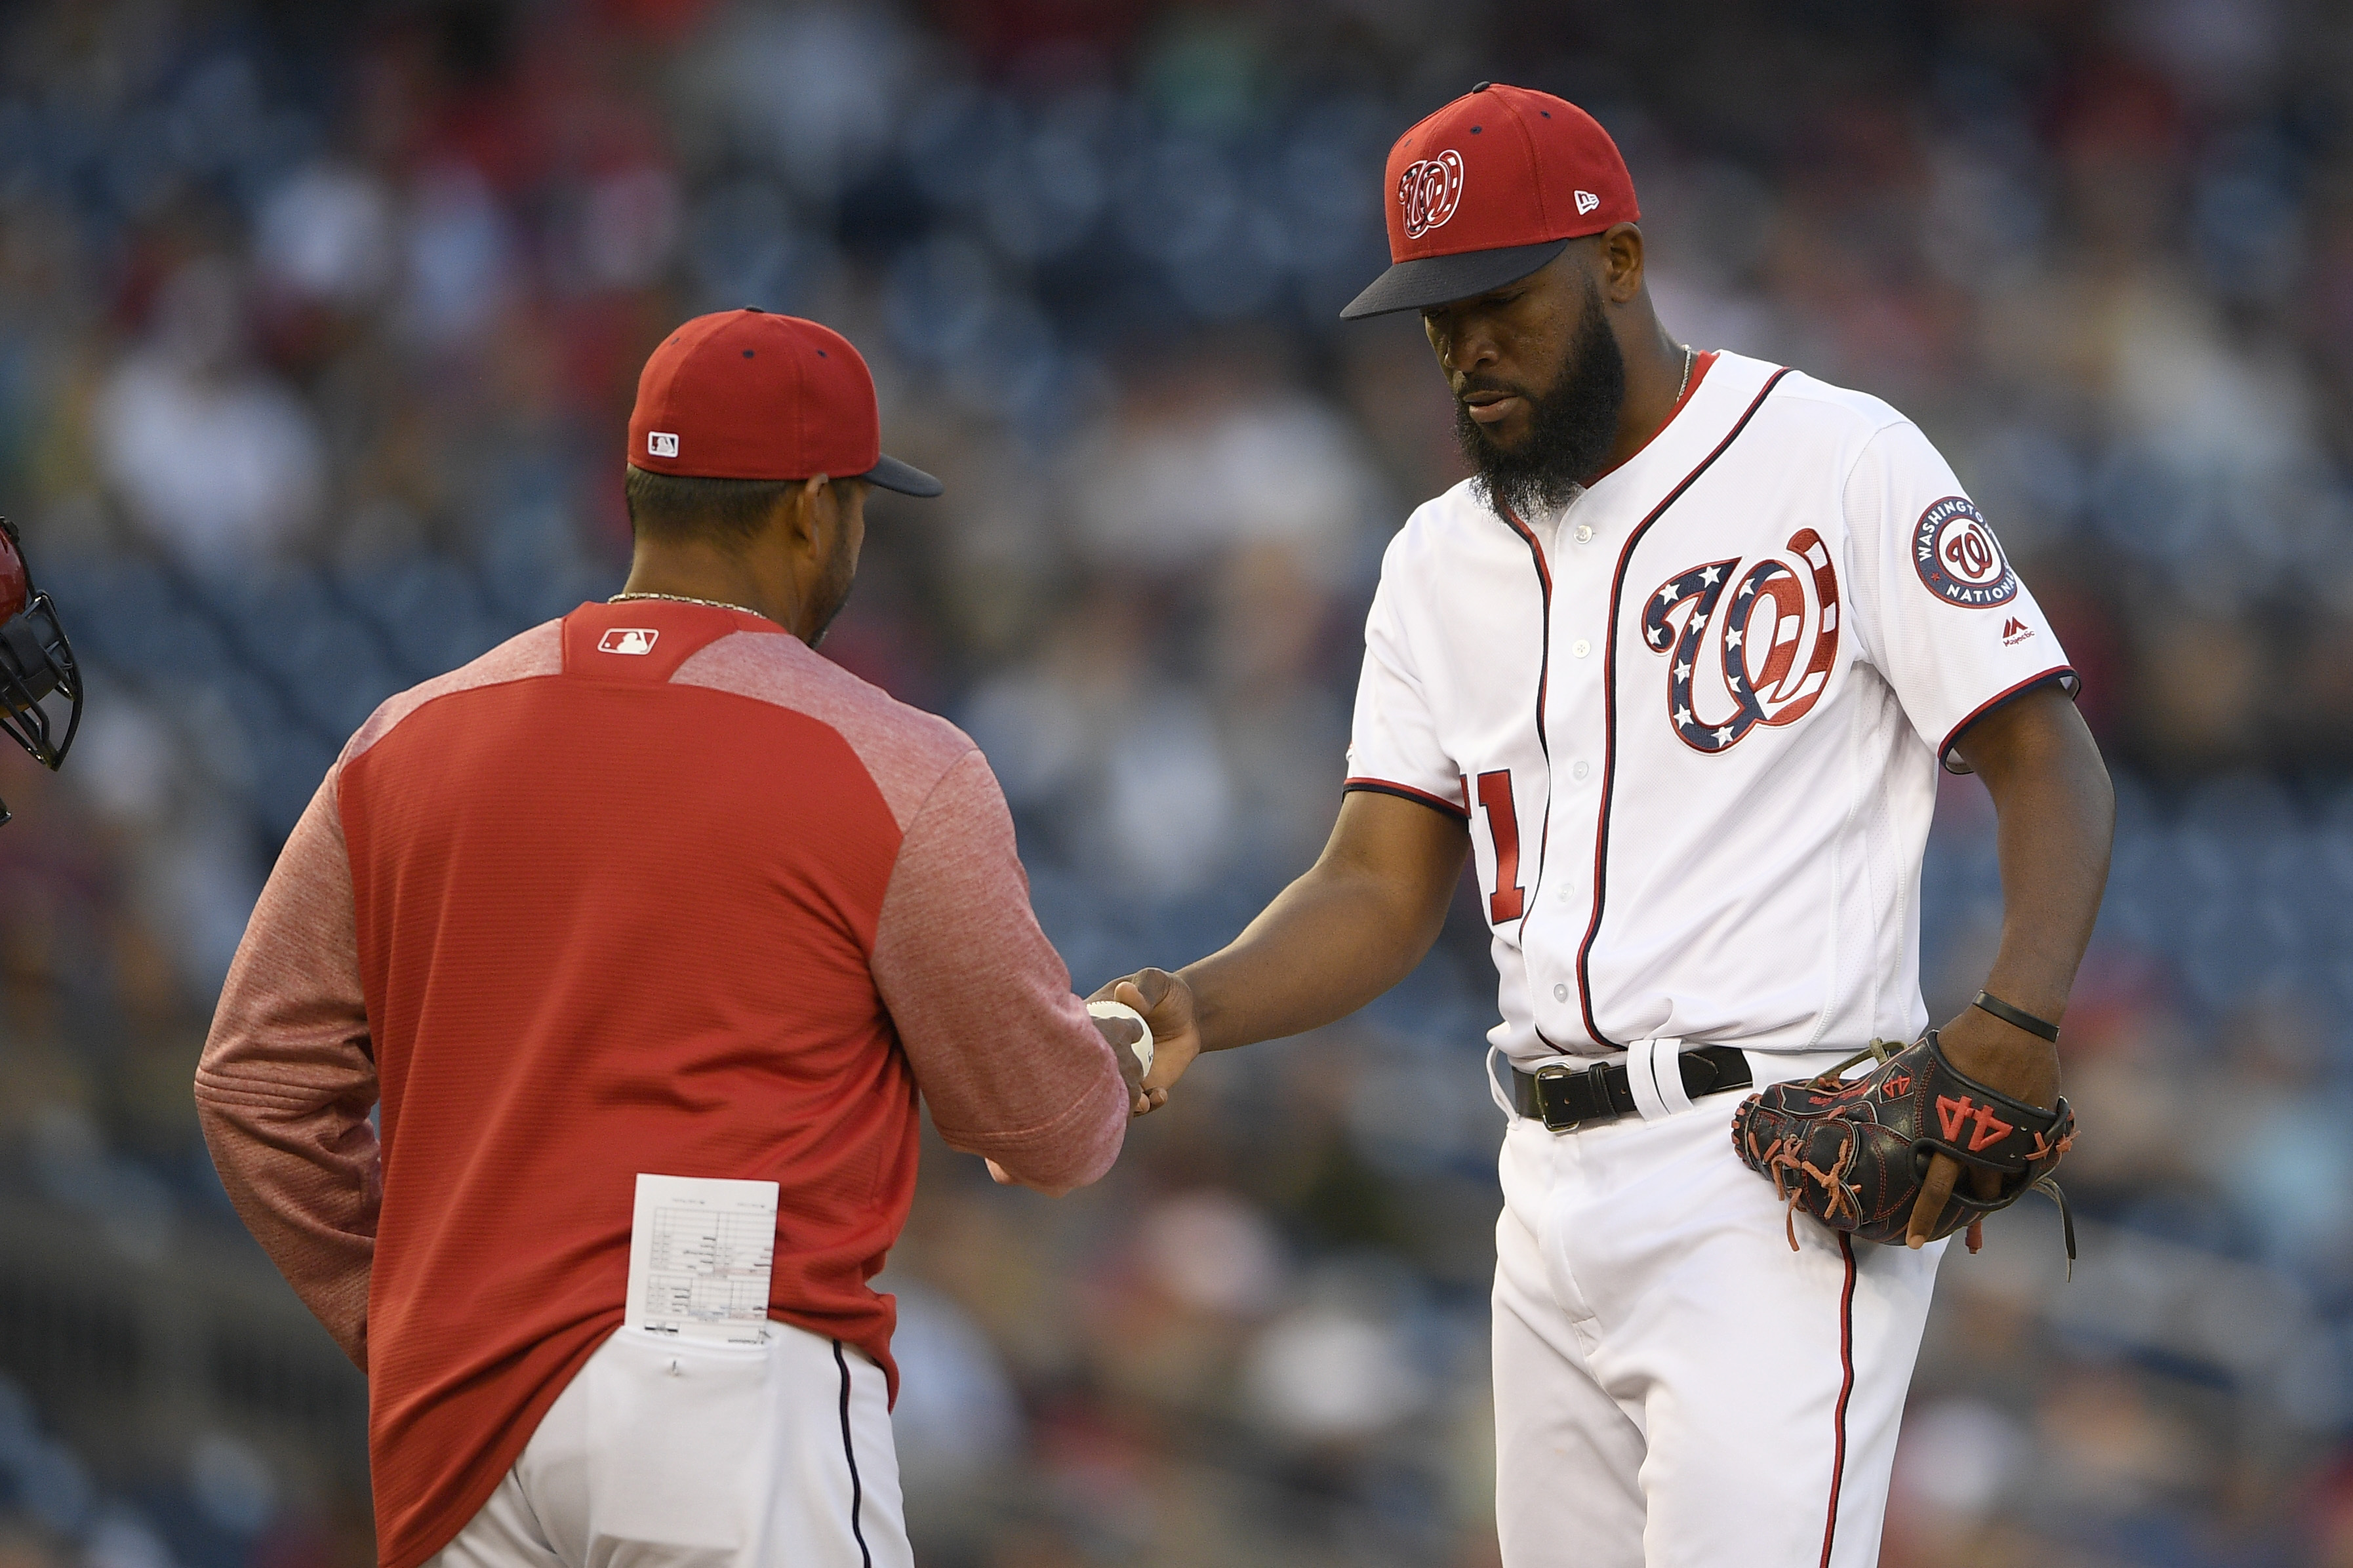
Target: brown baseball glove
[[1854, 1153]]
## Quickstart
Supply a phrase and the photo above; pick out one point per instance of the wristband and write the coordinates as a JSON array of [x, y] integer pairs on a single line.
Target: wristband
[[1988, 1003]]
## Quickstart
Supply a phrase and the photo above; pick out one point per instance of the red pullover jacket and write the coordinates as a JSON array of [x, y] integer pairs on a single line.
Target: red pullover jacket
[[652, 889]]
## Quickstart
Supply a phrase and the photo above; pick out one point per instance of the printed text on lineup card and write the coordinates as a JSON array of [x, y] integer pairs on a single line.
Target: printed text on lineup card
[[700, 1254]]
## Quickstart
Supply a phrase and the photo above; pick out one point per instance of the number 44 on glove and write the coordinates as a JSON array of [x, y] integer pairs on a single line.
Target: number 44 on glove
[[1854, 1153]]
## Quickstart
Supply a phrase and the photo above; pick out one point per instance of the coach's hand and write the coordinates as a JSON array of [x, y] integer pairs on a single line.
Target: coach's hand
[[2000, 1056], [1005, 1178], [1167, 1004], [1122, 1034]]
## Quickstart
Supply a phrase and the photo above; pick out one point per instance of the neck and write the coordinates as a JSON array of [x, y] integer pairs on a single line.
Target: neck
[[698, 571], [1655, 364]]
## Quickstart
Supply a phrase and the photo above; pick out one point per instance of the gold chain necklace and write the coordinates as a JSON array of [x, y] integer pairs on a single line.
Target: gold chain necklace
[[1684, 386], [682, 599]]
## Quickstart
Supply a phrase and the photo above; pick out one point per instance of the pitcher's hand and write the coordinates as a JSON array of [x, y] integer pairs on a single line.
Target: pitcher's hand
[[2000, 1056], [1167, 1004]]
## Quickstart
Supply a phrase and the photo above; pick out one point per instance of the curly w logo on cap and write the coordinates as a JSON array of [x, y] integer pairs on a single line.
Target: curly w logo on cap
[[1429, 192]]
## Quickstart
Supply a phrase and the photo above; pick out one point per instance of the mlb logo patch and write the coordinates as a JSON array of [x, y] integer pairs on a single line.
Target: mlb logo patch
[[629, 639], [661, 443]]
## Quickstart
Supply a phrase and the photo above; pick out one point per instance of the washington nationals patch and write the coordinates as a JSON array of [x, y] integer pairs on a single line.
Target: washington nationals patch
[[1958, 557]]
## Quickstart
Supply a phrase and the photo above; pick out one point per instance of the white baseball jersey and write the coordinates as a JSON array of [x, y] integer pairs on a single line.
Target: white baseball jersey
[[1694, 719]]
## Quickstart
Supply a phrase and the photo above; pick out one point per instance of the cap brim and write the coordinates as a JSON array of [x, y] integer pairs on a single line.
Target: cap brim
[[1430, 280], [905, 477]]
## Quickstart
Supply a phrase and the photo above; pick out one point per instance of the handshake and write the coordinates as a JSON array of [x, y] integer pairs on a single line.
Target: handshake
[[1148, 1021]]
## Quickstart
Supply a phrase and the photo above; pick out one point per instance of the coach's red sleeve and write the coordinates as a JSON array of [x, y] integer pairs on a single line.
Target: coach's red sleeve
[[1006, 1058], [287, 1079]]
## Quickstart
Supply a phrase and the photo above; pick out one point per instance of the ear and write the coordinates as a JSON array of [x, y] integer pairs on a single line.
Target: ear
[[1621, 263], [813, 508]]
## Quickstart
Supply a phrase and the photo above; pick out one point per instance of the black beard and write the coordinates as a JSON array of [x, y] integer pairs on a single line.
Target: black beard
[[1571, 425]]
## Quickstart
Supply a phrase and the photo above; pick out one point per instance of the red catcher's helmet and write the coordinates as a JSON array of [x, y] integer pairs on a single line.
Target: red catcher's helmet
[[36, 661]]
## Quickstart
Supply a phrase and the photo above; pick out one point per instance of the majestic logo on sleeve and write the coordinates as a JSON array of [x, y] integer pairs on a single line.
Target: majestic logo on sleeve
[[1429, 192], [1778, 608], [1958, 557]]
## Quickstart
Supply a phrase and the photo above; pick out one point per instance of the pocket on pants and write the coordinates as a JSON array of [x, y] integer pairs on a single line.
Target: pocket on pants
[[679, 1434]]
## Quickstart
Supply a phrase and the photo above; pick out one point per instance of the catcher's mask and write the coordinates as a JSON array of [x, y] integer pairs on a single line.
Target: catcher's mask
[[35, 662]]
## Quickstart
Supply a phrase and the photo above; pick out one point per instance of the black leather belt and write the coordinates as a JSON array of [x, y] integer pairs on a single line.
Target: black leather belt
[[1564, 1097]]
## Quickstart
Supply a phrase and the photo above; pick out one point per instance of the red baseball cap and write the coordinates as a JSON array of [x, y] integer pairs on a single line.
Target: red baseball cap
[[1490, 188], [745, 395]]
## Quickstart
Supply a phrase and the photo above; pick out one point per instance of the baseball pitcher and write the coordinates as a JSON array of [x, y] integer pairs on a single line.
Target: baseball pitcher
[[645, 931], [1676, 669]]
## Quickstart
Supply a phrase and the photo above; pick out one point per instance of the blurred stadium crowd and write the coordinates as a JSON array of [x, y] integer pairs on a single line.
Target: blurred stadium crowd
[[319, 327]]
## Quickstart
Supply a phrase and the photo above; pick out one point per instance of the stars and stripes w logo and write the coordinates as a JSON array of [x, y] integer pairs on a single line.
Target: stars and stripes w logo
[[1757, 622]]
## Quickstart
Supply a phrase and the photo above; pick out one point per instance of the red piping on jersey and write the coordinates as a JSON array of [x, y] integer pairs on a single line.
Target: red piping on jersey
[[1407, 792], [2064, 674], [1609, 704], [1543, 743], [1699, 373], [1544, 660], [1846, 1389], [1544, 683]]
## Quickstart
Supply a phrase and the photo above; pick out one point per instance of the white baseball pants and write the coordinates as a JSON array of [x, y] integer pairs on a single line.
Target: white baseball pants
[[1674, 1388], [670, 1454]]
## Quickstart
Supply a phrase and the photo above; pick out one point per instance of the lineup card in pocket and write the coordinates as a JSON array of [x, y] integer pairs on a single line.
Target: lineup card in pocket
[[700, 1253]]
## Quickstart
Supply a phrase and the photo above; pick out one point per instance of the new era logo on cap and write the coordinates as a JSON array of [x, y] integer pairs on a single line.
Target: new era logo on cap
[[629, 639], [1586, 202], [661, 444]]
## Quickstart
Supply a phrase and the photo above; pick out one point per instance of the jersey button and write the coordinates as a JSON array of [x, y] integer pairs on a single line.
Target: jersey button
[[1583, 533], [1579, 770], [1560, 993], [1580, 647]]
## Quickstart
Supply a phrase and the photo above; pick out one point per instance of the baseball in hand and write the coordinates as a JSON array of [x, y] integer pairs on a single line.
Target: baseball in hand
[[1142, 1044]]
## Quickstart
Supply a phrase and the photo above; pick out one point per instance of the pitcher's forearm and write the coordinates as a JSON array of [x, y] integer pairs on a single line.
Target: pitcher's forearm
[[1354, 925], [2055, 817], [1327, 945], [2050, 896]]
